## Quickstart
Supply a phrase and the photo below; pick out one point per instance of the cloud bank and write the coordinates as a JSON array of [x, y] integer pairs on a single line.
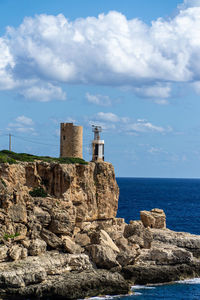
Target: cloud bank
[[47, 51], [111, 121]]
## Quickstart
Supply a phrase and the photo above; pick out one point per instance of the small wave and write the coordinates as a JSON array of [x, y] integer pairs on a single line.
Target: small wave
[[189, 281], [112, 297], [142, 287], [137, 294], [103, 298]]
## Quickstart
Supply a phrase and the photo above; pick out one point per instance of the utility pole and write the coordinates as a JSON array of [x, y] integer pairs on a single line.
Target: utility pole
[[9, 142]]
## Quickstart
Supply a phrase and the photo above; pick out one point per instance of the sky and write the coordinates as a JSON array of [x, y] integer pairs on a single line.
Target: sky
[[132, 67]]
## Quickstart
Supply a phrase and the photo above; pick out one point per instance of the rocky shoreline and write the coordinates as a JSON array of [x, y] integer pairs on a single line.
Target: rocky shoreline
[[69, 245]]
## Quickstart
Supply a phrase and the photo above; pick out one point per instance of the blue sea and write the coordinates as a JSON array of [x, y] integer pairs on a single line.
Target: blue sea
[[180, 199]]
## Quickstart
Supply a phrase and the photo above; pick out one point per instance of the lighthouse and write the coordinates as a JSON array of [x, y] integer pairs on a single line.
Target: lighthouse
[[97, 144]]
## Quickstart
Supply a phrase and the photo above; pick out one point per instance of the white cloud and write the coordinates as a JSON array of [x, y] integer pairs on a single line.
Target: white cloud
[[24, 120], [6, 66], [189, 3], [43, 93], [108, 117], [108, 50], [125, 124], [22, 124], [144, 127], [154, 91], [98, 99]]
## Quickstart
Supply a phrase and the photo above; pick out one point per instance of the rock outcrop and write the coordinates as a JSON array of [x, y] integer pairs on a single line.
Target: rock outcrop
[[75, 194], [68, 244], [154, 219]]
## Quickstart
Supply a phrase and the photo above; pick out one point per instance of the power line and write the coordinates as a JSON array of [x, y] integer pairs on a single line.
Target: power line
[[34, 142]]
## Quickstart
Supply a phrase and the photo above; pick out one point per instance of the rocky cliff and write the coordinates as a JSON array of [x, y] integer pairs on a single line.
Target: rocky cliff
[[75, 193], [60, 238]]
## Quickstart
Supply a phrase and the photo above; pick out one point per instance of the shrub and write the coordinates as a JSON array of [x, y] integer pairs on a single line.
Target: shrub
[[10, 236], [13, 158], [3, 182], [38, 192]]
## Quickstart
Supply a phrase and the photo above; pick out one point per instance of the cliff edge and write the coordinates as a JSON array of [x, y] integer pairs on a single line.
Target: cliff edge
[[60, 238]]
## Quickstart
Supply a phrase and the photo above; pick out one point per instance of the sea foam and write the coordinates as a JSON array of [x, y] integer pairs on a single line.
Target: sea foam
[[142, 287], [189, 281]]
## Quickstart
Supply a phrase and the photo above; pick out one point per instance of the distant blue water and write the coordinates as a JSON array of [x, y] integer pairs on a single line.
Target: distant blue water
[[180, 199]]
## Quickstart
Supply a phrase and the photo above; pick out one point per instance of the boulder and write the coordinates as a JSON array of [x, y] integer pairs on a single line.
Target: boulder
[[15, 252], [104, 257], [127, 257], [42, 216], [37, 247], [17, 213], [52, 240], [79, 262], [122, 244], [82, 239], [70, 246], [3, 253], [24, 253], [102, 238], [136, 233], [134, 228], [63, 221], [155, 218]]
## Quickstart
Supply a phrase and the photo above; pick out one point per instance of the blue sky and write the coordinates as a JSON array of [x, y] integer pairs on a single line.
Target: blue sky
[[132, 67]]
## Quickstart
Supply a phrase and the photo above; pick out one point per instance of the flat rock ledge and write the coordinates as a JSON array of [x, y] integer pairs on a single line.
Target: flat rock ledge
[[73, 286]]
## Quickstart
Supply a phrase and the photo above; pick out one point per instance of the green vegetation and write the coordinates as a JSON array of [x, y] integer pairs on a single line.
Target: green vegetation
[[10, 236], [3, 182], [13, 158], [38, 192]]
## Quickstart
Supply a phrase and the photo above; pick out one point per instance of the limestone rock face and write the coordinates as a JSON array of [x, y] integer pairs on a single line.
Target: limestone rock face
[[89, 191], [76, 194], [36, 269], [51, 246], [154, 219]]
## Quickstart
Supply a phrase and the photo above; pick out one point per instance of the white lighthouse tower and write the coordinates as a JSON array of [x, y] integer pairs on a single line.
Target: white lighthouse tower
[[97, 144]]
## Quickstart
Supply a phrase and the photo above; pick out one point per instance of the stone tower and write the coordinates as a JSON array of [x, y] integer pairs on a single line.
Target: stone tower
[[71, 140]]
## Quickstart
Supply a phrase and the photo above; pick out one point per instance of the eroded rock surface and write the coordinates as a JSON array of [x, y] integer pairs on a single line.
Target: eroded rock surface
[[69, 245]]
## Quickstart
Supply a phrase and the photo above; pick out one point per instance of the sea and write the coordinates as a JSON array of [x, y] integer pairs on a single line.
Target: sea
[[180, 199]]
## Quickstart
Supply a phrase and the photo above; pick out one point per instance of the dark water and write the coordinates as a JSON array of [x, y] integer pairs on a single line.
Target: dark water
[[180, 199]]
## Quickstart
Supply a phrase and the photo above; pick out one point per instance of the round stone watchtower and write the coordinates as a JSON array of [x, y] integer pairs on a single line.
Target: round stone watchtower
[[71, 140]]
